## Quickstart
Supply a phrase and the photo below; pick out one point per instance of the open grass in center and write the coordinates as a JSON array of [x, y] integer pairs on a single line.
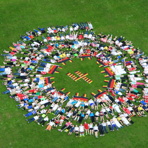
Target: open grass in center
[[62, 80]]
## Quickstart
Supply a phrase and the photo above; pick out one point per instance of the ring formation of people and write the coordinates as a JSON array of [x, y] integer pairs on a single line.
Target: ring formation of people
[[30, 63]]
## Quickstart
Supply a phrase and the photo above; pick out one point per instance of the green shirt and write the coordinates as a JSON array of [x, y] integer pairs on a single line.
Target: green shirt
[[43, 115]]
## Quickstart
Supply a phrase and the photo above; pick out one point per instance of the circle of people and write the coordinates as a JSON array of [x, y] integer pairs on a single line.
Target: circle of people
[[30, 62]]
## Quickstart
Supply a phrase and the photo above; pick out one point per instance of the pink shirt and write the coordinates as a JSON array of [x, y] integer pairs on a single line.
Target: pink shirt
[[13, 59], [68, 123]]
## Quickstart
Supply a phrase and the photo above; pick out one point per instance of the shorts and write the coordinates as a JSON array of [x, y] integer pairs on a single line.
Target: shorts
[[74, 114], [91, 129], [91, 104], [71, 130], [81, 132], [110, 112], [61, 120], [85, 106], [101, 115], [61, 113]]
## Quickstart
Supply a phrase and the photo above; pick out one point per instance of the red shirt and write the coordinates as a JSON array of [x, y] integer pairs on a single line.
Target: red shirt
[[80, 37], [86, 126], [62, 117], [126, 110], [121, 100], [43, 73], [48, 38], [31, 36], [26, 62], [130, 98], [12, 53], [33, 91], [39, 97], [21, 96], [57, 122]]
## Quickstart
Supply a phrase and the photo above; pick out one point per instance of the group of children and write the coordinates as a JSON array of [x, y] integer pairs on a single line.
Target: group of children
[[30, 63]]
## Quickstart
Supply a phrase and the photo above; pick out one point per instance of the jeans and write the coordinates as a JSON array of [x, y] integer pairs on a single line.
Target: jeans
[[57, 111], [36, 80], [6, 92], [6, 55], [110, 127], [30, 120], [2, 73], [40, 69], [114, 126], [120, 39], [104, 129], [47, 60], [115, 61], [11, 86], [54, 99], [2, 69], [17, 74], [28, 114], [43, 64]]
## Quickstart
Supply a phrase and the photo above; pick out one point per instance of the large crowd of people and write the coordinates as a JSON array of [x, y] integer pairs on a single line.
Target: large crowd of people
[[27, 73]]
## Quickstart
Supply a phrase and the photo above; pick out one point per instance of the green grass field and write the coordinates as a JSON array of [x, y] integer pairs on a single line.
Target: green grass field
[[128, 18], [80, 86]]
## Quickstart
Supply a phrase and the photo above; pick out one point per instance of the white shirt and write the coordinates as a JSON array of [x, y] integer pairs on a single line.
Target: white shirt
[[51, 123], [43, 111], [108, 123], [81, 128], [76, 128], [104, 124], [91, 101], [36, 117], [69, 114], [36, 107], [43, 102], [46, 118], [88, 112], [55, 107], [78, 104], [96, 128], [97, 113], [90, 125], [8, 70]]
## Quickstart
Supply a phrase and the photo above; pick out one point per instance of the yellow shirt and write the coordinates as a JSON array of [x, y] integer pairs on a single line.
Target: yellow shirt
[[12, 48], [106, 47], [140, 108], [63, 55], [119, 118], [130, 51]]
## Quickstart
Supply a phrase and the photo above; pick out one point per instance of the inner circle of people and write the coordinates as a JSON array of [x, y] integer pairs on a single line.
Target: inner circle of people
[[39, 52]]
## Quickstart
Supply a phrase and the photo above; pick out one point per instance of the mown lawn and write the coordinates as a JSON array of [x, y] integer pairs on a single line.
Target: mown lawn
[[89, 66], [128, 18]]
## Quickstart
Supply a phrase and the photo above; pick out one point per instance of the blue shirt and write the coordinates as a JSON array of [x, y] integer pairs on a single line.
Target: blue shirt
[[63, 110], [143, 102], [91, 114]]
